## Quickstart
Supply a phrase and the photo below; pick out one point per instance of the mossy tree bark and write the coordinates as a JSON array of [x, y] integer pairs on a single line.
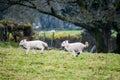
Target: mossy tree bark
[[102, 39], [118, 43]]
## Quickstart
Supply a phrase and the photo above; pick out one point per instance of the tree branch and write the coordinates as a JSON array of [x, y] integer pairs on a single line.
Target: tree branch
[[57, 15], [52, 13]]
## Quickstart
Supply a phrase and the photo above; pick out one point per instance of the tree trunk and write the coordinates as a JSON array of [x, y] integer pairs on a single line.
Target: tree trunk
[[118, 43], [100, 43], [101, 38]]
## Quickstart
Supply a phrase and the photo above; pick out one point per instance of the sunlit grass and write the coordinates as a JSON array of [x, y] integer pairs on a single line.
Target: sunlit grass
[[71, 32], [57, 65], [66, 32]]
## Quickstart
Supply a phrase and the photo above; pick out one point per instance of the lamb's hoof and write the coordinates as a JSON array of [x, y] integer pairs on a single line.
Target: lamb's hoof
[[77, 54]]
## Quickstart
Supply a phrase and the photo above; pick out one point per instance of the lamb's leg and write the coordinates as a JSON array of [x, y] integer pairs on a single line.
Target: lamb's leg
[[42, 50], [73, 53], [34, 51], [27, 50], [78, 53]]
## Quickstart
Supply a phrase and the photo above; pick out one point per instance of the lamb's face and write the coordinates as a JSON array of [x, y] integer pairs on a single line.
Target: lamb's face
[[64, 43], [22, 42]]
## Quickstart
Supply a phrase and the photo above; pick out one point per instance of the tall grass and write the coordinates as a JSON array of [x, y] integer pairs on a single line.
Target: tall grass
[[57, 65]]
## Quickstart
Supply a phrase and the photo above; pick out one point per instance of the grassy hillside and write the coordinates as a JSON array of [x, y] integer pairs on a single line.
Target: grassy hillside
[[57, 65]]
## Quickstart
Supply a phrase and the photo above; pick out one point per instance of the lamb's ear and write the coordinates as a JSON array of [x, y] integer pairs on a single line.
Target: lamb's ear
[[24, 40], [66, 41]]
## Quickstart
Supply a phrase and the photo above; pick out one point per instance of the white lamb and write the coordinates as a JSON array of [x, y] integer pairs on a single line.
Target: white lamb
[[74, 47], [36, 44]]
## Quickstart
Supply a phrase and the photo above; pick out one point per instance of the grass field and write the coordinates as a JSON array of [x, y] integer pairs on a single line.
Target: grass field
[[57, 65], [71, 32]]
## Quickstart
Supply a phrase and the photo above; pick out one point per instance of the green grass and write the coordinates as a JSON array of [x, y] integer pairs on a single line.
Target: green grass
[[9, 44], [57, 65], [71, 32]]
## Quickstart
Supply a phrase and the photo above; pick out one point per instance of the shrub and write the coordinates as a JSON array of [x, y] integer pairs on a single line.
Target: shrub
[[8, 44], [6, 22], [54, 40], [9, 30], [25, 25]]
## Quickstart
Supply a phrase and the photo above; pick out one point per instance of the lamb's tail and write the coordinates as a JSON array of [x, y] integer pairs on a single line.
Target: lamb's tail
[[86, 44], [45, 44]]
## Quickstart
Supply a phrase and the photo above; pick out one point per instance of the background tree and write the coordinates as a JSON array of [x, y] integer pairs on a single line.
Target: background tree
[[21, 14], [99, 17]]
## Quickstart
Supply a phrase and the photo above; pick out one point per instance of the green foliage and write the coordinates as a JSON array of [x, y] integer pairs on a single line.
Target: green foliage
[[12, 30], [58, 65], [14, 44], [8, 44], [25, 25], [114, 33], [3, 44], [6, 22], [11, 22], [59, 36], [55, 39]]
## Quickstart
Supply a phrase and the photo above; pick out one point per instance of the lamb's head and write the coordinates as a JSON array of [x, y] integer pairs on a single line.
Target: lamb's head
[[45, 45], [22, 42], [64, 43]]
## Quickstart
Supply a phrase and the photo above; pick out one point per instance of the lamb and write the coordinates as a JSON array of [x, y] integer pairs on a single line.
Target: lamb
[[74, 47], [36, 44]]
